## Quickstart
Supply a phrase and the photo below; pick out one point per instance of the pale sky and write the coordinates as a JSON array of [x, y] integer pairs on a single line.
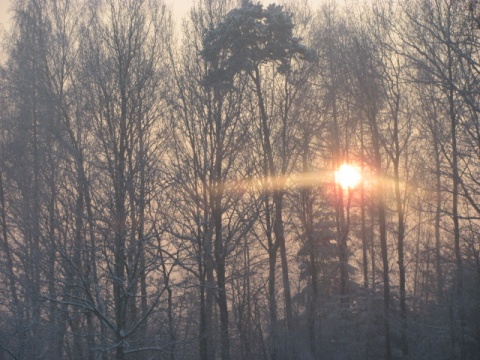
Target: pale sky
[[180, 8], [3, 12]]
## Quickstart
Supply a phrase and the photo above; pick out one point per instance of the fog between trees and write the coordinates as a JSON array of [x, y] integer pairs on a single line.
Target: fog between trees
[[167, 188]]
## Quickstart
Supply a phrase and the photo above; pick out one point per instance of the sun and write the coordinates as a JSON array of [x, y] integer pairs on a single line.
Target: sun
[[347, 176]]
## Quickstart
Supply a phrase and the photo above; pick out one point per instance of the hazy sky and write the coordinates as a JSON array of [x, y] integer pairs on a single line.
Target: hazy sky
[[3, 11], [180, 7]]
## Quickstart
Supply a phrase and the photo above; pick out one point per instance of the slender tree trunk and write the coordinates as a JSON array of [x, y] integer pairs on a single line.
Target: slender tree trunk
[[313, 296], [363, 215], [142, 201], [386, 279], [272, 296], [217, 213], [280, 238], [8, 255], [221, 282], [372, 247], [91, 265], [120, 293], [209, 303], [203, 330], [342, 235], [455, 216], [249, 335], [382, 219], [278, 227], [417, 257], [438, 213], [401, 264]]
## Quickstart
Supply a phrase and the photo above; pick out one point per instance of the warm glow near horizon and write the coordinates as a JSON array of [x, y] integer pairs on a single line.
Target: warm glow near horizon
[[347, 176]]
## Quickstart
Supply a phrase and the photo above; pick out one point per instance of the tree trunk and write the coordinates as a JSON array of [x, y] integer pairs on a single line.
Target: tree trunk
[[272, 296], [383, 235], [455, 217], [386, 280], [401, 265], [363, 214], [278, 227], [438, 213]]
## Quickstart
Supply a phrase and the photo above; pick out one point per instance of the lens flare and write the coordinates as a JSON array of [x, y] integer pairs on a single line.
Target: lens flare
[[347, 176]]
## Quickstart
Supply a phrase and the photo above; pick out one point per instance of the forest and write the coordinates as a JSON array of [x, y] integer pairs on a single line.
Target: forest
[[170, 188]]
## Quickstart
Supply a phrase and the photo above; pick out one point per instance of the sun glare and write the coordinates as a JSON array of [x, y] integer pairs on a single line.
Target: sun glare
[[347, 176]]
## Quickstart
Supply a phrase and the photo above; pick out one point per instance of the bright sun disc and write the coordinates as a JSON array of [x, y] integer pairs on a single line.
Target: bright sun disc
[[347, 176]]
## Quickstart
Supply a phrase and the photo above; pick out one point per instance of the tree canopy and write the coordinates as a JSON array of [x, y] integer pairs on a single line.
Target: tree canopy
[[248, 37]]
